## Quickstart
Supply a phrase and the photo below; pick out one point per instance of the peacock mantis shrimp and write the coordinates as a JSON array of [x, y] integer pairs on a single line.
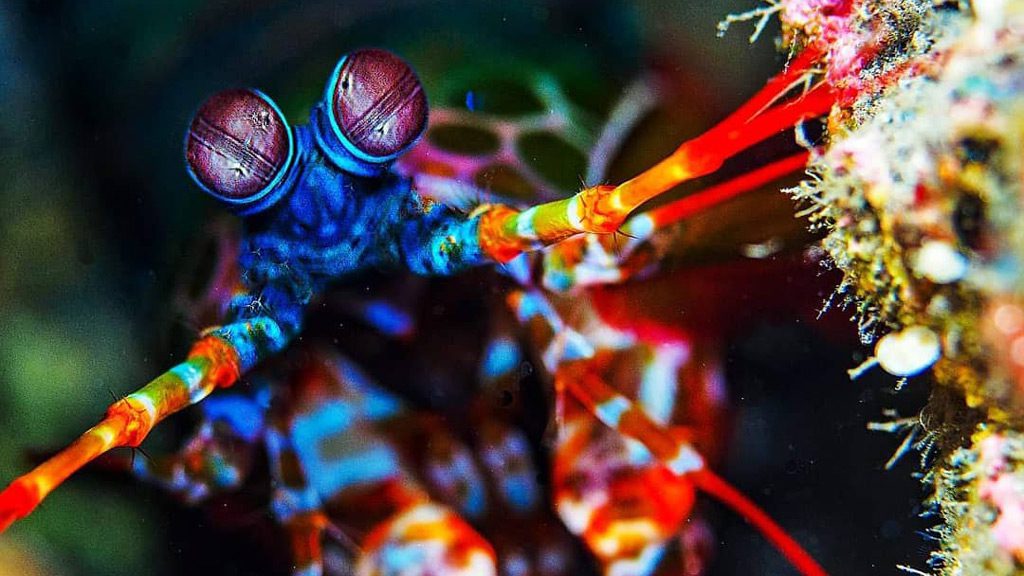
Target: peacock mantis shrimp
[[322, 202]]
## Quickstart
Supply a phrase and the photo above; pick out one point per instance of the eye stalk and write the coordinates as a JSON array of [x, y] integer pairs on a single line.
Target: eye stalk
[[239, 148], [374, 107]]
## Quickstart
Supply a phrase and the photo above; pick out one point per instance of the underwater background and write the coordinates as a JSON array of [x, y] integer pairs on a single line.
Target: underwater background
[[98, 217]]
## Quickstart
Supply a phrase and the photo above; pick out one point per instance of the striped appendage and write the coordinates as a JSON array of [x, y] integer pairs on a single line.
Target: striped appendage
[[570, 357], [623, 505], [610, 490], [215, 361], [504, 233], [631, 420], [588, 260], [679, 457]]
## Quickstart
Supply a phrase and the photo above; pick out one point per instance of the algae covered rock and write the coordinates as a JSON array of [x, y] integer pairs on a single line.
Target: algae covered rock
[[918, 192]]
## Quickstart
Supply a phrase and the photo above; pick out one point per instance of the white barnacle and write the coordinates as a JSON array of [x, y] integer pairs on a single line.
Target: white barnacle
[[940, 262], [908, 352]]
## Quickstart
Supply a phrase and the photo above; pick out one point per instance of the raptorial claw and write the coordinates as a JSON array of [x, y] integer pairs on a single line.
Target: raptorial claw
[[504, 232], [590, 260]]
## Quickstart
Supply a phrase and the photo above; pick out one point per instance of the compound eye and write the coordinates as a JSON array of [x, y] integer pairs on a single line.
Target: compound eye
[[238, 146], [377, 104]]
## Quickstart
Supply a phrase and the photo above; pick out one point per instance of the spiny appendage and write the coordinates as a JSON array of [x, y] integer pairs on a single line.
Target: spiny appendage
[[596, 260], [504, 232], [212, 363], [713, 196]]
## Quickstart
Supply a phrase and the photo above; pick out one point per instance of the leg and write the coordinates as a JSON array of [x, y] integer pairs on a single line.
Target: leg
[[295, 504], [629, 419], [306, 533], [215, 361], [216, 458]]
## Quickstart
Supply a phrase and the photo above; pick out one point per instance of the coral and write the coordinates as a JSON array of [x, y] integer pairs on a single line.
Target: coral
[[984, 505], [918, 193]]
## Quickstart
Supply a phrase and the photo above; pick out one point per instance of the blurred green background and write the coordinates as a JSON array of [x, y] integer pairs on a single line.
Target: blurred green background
[[96, 216]]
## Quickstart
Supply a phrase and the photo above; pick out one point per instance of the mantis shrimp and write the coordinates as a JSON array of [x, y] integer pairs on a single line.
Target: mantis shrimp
[[322, 202]]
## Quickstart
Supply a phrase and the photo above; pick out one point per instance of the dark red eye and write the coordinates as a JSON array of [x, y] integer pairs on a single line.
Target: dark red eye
[[378, 104], [238, 145]]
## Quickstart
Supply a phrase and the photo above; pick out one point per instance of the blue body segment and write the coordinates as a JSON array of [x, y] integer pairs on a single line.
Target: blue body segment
[[388, 318], [241, 413], [461, 479], [517, 481], [333, 224], [501, 357], [289, 499]]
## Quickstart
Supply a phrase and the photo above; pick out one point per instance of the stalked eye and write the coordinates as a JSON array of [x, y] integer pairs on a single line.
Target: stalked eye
[[377, 105], [238, 147]]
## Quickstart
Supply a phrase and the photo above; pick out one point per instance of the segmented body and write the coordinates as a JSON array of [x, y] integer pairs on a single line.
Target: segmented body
[[328, 208], [494, 486], [361, 466]]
